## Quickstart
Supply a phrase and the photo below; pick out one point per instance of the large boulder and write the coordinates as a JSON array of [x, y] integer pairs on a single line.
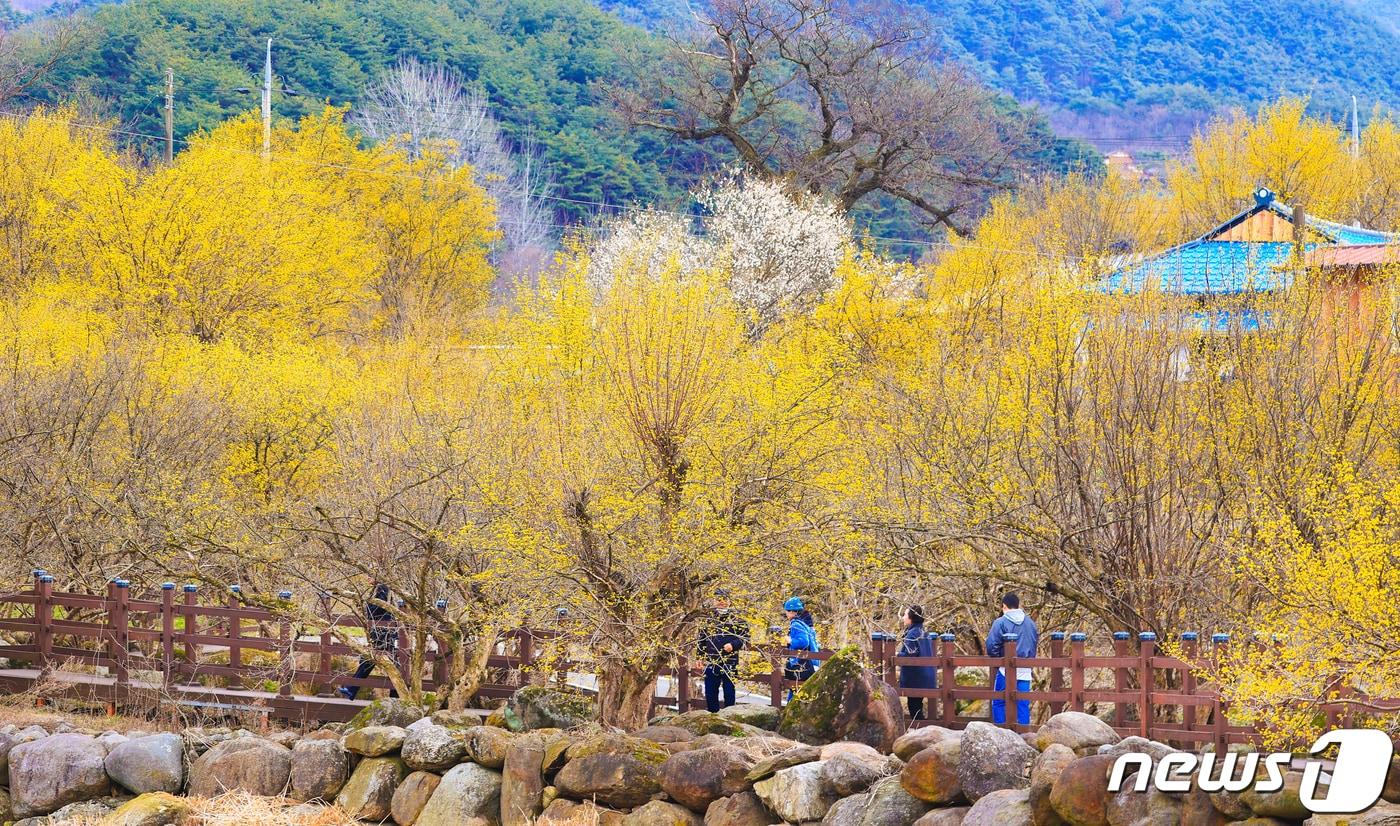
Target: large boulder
[[795, 756], [952, 816], [614, 770], [891, 805], [753, 714], [993, 759], [411, 796], [1084, 733], [661, 813], [466, 792], [538, 706], [849, 773], [148, 764], [916, 740], [369, 793], [1284, 804], [48, 774], [1080, 794], [150, 809], [1129, 807], [563, 812], [1047, 769], [795, 794], [701, 722], [250, 764], [374, 741], [844, 701], [487, 745], [319, 769], [1137, 745], [699, 777], [390, 711], [1008, 807], [522, 781], [433, 748], [932, 774], [743, 809], [848, 811]]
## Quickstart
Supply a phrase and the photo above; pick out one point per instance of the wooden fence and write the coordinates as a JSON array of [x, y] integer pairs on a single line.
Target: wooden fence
[[226, 654]]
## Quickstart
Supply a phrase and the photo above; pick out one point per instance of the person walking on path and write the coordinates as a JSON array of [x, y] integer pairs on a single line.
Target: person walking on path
[[801, 636], [1013, 621], [916, 643], [723, 636], [383, 637]]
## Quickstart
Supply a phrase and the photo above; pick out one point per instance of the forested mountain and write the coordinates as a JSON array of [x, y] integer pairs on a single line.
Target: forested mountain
[[1106, 58], [538, 61]]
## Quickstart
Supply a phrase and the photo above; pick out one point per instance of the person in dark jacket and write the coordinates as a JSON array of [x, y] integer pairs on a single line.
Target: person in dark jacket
[[916, 643], [1013, 621], [723, 636], [382, 637], [801, 636]]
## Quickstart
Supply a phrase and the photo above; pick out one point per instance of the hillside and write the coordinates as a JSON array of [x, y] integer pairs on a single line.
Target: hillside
[[1100, 64], [536, 59]]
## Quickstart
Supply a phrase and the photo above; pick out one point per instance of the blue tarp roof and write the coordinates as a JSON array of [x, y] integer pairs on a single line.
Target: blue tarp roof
[[1206, 266]]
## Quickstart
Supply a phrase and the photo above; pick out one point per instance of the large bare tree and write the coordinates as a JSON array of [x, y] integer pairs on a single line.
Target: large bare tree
[[848, 98]]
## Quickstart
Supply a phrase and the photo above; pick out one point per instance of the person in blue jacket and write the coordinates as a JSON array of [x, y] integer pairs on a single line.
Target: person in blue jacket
[[916, 643], [801, 636], [1013, 621]]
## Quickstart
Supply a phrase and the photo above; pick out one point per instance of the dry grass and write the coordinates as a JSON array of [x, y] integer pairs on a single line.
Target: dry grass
[[243, 809]]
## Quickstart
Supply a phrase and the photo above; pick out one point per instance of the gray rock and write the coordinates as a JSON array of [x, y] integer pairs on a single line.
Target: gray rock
[[1044, 773], [150, 809], [795, 756], [795, 794], [111, 739], [1137, 744], [537, 706], [433, 748], [467, 791], [847, 811], [944, 817], [661, 813], [487, 745], [993, 759], [848, 773], [919, 739], [1083, 733], [743, 809], [150, 764], [386, 712], [614, 770], [369, 792], [319, 769], [50, 773], [1008, 807], [891, 805], [522, 782], [753, 714], [374, 741], [698, 777], [252, 764]]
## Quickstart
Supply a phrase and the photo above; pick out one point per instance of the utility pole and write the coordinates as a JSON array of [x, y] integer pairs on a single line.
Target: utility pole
[[267, 101], [1355, 130], [169, 114]]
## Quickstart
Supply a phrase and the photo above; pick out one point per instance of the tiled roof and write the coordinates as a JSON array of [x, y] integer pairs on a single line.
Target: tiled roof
[[1207, 266], [1356, 255]]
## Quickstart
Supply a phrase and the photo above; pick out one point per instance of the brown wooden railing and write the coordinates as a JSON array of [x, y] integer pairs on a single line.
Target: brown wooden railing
[[229, 654]]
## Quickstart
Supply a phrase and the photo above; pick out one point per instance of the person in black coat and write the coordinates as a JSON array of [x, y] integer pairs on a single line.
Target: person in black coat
[[916, 643], [721, 639], [382, 637]]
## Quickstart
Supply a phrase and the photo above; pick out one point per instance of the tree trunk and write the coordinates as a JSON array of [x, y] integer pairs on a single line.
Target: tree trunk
[[625, 692], [469, 666]]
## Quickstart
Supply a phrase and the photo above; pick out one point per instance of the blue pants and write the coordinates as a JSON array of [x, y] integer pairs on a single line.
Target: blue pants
[[1023, 707], [718, 680]]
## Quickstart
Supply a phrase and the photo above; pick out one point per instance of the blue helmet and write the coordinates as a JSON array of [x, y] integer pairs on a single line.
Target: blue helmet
[[793, 604]]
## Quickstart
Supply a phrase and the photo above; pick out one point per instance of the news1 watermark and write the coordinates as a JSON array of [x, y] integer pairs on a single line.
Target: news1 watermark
[[1356, 775]]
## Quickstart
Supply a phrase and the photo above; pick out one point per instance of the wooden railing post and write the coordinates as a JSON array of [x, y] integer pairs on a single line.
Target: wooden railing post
[[287, 646], [683, 686], [235, 627], [1120, 679], [1189, 653], [1220, 643], [1057, 674], [118, 622], [1147, 642], [167, 633], [191, 628], [43, 609], [948, 680], [881, 653], [1076, 670], [1009, 681]]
